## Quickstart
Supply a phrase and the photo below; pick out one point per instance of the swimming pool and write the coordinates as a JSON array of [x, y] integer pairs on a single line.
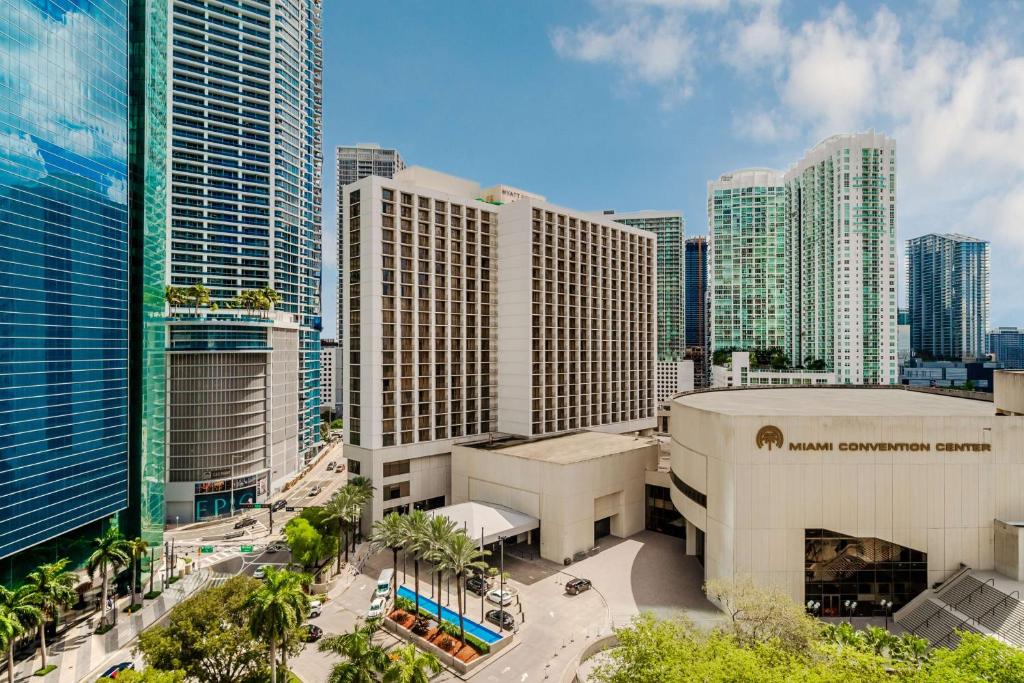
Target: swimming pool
[[482, 632]]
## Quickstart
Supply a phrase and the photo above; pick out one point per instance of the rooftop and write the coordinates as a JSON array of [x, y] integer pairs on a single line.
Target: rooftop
[[851, 401], [565, 449]]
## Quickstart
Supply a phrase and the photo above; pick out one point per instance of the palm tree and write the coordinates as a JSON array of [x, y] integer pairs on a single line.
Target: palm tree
[[199, 295], [439, 533], [110, 553], [364, 659], [53, 587], [19, 611], [276, 608], [389, 533], [460, 555], [364, 486], [137, 549], [410, 665], [416, 525], [337, 509]]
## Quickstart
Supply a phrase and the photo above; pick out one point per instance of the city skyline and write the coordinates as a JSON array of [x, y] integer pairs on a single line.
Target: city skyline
[[666, 149]]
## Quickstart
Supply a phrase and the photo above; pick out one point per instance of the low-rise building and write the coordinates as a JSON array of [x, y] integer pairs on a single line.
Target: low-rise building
[[673, 377], [738, 371]]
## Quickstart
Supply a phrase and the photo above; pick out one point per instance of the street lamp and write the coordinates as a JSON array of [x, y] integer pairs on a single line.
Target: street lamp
[[813, 607], [851, 605], [501, 587], [887, 607]]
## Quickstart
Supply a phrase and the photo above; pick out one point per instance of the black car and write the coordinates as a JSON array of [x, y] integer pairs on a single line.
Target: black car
[[313, 633], [279, 505], [244, 522], [276, 548], [577, 586], [476, 584], [500, 617]]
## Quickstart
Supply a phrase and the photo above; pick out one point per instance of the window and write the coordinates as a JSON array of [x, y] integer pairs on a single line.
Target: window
[[393, 469], [393, 491]]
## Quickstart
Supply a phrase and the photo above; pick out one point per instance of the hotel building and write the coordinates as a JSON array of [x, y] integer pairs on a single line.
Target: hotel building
[[840, 208], [948, 296], [747, 260], [454, 305], [244, 187], [330, 380]]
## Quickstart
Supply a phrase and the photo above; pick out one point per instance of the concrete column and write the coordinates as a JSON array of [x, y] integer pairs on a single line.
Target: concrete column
[[691, 537]]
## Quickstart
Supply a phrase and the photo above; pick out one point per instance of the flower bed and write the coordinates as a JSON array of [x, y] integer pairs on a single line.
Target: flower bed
[[440, 635]]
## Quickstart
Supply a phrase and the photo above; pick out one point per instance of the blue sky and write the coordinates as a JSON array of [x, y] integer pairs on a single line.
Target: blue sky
[[635, 104]]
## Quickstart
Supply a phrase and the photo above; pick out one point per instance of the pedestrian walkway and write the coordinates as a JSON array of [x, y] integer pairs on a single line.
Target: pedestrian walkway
[[80, 653]]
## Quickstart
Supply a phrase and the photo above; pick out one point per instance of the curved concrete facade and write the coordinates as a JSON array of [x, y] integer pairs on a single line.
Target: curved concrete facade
[[925, 471]]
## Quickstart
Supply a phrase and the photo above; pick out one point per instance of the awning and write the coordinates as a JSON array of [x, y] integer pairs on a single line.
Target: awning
[[487, 518]]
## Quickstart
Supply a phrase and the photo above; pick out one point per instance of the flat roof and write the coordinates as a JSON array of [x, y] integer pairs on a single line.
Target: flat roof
[[835, 401], [492, 520], [572, 448]]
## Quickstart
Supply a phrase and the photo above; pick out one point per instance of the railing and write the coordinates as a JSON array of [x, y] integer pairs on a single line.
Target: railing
[[988, 582]]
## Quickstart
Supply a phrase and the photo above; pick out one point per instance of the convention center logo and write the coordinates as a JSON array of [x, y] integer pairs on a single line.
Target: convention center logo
[[769, 436]]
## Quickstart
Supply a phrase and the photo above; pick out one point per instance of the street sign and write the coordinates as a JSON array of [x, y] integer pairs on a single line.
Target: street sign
[[246, 548], [206, 548], [251, 506], [289, 509]]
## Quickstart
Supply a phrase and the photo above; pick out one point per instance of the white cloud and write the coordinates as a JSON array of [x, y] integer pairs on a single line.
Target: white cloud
[[763, 125]]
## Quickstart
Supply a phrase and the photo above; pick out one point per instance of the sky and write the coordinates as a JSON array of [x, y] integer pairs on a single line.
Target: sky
[[637, 104]]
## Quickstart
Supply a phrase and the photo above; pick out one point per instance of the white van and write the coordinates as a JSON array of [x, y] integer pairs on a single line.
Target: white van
[[384, 583]]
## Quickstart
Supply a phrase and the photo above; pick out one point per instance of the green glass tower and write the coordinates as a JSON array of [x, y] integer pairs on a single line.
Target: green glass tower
[[670, 228], [147, 139], [747, 260]]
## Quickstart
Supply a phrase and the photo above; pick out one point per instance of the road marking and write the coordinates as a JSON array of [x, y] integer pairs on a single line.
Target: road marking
[[524, 676], [506, 669]]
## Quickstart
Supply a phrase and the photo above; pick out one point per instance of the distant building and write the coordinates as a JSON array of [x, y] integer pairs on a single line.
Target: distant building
[[696, 307], [747, 260], [738, 372], [976, 375], [670, 229], [903, 335], [948, 296], [673, 377], [841, 258], [1006, 344], [330, 376]]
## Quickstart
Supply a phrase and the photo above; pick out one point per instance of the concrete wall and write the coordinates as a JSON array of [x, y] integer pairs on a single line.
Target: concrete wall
[[566, 498], [759, 502], [1009, 392], [1009, 550]]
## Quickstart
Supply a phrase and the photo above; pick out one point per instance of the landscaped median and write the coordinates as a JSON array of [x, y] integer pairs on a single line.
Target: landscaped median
[[440, 636]]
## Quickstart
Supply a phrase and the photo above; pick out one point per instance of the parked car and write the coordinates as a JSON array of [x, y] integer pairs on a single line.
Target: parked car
[[500, 597], [260, 572], [316, 604], [115, 670], [314, 612], [276, 548], [376, 610], [331, 465], [244, 522], [234, 534], [577, 586], [278, 505], [315, 491], [313, 633], [500, 617], [476, 584]]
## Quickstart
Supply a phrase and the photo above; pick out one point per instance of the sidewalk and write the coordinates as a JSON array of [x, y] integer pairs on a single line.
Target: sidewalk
[[80, 653]]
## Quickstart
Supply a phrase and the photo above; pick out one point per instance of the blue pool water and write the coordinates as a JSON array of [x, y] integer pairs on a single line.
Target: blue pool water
[[482, 632]]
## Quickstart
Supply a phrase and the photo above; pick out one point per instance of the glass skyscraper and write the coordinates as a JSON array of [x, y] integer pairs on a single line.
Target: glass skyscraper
[[64, 330], [1007, 345], [948, 296], [244, 183], [746, 260], [671, 231], [696, 269]]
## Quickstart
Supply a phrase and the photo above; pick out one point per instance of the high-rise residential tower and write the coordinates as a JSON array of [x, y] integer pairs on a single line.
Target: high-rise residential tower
[[1007, 345], [466, 315], [841, 258], [696, 297], [363, 159], [670, 228], [64, 275], [746, 260], [948, 296], [244, 188]]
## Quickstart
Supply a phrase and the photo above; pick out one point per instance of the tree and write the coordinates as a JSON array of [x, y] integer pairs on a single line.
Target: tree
[[759, 614], [305, 541], [110, 553], [19, 611], [364, 488], [208, 637], [150, 675], [976, 658], [409, 665], [338, 509], [53, 588], [364, 660], [458, 556], [137, 549], [438, 535], [416, 524], [199, 295], [278, 607], [389, 533], [175, 296]]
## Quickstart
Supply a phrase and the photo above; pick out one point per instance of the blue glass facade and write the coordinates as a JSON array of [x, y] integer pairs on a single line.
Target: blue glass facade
[[696, 268], [63, 266]]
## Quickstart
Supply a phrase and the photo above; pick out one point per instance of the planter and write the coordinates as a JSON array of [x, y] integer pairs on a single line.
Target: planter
[[446, 657]]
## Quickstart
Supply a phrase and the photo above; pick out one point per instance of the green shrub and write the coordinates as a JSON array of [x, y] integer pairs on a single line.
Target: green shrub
[[45, 670], [405, 604]]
